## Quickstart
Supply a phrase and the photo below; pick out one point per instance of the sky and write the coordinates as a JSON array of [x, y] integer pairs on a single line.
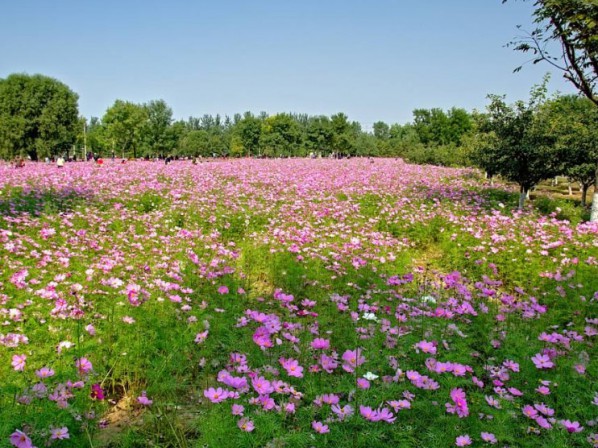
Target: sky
[[373, 60]]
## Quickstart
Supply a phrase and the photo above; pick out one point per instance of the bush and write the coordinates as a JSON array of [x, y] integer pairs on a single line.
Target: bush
[[561, 209]]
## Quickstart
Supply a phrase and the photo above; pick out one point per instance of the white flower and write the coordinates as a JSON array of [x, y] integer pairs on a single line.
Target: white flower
[[428, 299], [370, 316], [370, 376]]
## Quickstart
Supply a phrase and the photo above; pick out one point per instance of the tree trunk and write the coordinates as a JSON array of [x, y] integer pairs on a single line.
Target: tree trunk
[[594, 214], [522, 195], [584, 194]]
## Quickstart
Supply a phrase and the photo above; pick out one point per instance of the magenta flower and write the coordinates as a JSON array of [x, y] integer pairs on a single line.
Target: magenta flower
[[223, 289], [463, 441], [542, 361], [20, 440], [245, 425], [59, 433], [571, 426], [18, 362], [96, 392], [319, 427]]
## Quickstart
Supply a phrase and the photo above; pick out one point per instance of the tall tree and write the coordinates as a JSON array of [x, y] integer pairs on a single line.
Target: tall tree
[[573, 26], [38, 116], [156, 136], [124, 124]]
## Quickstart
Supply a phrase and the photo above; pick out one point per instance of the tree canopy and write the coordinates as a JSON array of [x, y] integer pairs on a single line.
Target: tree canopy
[[573, 26], [38, 116]]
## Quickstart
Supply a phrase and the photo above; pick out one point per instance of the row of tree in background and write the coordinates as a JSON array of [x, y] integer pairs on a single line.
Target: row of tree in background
[[524, 142]]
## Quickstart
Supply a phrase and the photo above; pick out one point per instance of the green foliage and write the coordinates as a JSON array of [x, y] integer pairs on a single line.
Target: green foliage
[[125, 124], [571, 24], [519, 146], [562, 209], [573, 121], [38, 117]]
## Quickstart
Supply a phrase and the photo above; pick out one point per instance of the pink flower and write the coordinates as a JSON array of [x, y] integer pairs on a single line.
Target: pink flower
[[529, 411], [368, 413], [143, 400], [399, 404], [463, 441], [542, 422], [237, 409], [262, 386], [488, 437], [44, 372], [83, 366], [542, 361], [18, 362], [201, 337], [571, 426], [352, 359], [342, 413], [320, 344], [215, 395], [543, 390], [362, 383], [426, 347], [59, 433], [223, 289], [20, 440], [460, 407], [319, 427], [385, 415], [245, 425], [292, 367]]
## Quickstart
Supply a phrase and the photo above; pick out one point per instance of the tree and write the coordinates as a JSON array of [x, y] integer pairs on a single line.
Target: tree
[[247, 134], [573, 26], [522, 150], [124, 124], [574, 122], [156, 136], [196, 143], [280, 136], [318, 135], [38, 116]]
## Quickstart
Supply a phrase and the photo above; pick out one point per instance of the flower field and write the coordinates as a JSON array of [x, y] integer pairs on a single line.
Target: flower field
[[290, 303]]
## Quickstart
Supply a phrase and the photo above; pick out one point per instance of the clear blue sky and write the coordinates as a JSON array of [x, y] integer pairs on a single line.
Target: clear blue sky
[[374, 60]]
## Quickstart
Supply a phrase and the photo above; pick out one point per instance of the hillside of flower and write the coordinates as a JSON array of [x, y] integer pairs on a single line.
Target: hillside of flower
[[290, 303]]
